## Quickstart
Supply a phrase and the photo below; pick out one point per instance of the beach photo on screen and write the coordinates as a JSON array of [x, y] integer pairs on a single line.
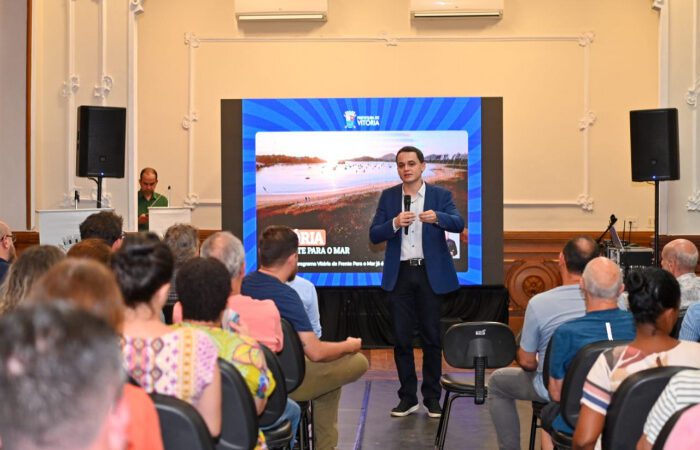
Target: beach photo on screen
[[326, 185]]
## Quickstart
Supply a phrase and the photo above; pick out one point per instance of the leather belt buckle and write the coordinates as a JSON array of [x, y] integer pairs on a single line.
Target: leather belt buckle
[[414, 262]]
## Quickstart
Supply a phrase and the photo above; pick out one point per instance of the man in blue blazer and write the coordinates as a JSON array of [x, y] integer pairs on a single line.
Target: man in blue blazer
[[412, 218]]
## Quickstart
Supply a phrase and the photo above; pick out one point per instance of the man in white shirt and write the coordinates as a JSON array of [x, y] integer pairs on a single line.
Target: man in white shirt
[[680, 257]]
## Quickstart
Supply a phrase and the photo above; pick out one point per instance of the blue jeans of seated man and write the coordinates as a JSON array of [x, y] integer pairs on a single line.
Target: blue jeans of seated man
[[292, 412]]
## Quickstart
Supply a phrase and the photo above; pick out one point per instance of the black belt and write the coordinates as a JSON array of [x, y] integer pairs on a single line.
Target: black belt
[[414, 262]]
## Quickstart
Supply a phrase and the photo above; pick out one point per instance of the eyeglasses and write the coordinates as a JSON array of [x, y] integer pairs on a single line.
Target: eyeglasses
[[12, 237]]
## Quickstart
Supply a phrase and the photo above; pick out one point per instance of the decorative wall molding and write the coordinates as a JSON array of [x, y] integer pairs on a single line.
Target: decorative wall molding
[[192, 199], [585, 202], [583, 40], [103, 89], [691, 98], [694, 202], [68, 200], [135, 9], [136, 6], [187, 120], [70, 88], [586, 121]]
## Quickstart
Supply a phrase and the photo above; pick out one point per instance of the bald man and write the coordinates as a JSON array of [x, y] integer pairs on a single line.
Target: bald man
[[680, 257], [601, 284], [7, 249]]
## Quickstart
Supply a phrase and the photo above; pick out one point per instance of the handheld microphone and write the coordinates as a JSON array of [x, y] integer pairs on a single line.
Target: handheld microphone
[[406, 207], [77, 198], [613, 219], [169, 195]]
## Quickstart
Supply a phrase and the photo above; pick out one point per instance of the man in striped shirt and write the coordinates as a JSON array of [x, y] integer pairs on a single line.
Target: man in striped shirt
[[682, 390]]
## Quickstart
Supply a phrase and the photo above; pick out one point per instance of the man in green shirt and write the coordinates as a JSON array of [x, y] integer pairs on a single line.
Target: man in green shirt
[[148, 197]]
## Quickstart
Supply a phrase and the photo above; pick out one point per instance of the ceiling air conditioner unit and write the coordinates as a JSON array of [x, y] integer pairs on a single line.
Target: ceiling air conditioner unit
[[299, 10], [440, 9]]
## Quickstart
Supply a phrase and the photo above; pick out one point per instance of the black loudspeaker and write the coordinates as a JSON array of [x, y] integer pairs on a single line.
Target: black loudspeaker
[[101, 141], [654, 137]]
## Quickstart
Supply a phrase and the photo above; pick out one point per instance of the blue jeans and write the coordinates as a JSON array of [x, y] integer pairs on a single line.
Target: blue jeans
[[292, 412]]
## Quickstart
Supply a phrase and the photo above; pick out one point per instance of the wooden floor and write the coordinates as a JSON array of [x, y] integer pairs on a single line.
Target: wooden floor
[[365, 423]]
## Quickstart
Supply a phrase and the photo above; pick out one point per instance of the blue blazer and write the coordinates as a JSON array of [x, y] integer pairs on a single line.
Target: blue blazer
[[438, 261]]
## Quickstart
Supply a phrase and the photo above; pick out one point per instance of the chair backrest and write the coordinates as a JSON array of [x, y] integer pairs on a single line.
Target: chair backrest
[[181, 426], [277, 402], [679, 322], [631, 404], [479, 345], [572, 389], [292, 357], [545, 365], [239, 418], [665, 432], [465, 342]]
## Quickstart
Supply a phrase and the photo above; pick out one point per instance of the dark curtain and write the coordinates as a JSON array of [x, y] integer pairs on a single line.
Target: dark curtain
[[364, 312]]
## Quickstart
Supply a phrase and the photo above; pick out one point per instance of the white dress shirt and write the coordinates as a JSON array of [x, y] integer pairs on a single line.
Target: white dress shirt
[[412, 243]]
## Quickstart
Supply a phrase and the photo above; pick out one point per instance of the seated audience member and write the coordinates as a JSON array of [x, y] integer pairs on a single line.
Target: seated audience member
[[680, 257], [686, 433], [682, 390], [259, 318], [690, 328], [544, 313], [329, 365], [30, 265], [92, 248], [654, 300], [601, 284], [183, 241], [309, 297], [61, 381], [155, 355], [104, 225], [91, 286], [7, 249], [203, 286]]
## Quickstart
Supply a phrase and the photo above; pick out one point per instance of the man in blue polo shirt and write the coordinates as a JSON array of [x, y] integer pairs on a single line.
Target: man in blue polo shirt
[[544, 313], [601, 284], [329, 365]]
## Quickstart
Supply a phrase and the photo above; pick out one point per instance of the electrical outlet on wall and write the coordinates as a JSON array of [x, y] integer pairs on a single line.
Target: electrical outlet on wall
[[632, 222]]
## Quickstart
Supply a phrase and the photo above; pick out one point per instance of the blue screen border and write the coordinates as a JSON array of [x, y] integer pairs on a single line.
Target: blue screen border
[[398, 114]]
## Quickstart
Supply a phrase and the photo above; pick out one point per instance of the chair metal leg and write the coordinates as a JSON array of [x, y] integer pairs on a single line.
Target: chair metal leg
[[444, 420], [533, 431], [306, 426]]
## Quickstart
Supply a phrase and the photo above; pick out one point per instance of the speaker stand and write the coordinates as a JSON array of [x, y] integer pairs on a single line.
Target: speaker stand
[[656, 223], [98, 180]]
